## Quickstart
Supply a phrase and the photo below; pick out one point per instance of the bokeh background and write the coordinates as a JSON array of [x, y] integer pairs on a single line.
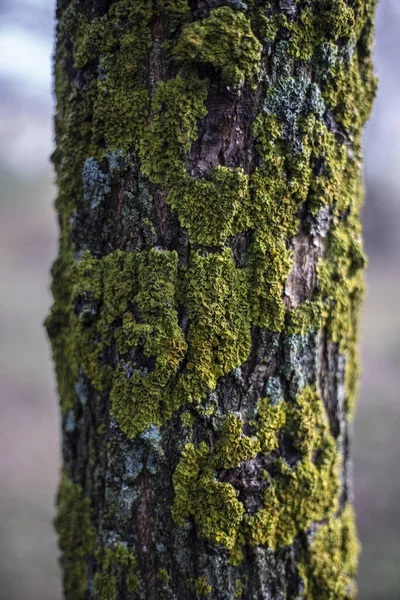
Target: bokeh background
[[29, 428]]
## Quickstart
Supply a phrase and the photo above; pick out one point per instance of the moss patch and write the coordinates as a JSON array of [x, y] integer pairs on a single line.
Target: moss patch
[[212, 209], [224, 39], [113, 564], [215, 293], [329, 566], [296, 496], [76, 537], [176, 107]]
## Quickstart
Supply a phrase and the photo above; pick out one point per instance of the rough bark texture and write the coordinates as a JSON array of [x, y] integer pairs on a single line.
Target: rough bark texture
[[206, 295]]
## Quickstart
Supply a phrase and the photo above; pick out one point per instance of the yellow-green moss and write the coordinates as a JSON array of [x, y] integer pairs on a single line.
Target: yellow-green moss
[[305, 492], [295, 497], [212, 209], [176, 107], [333, 21], [232, 447], [58, 325], [103, 294], [201, 587], [76, 537], [115, 319], [224, 39], [270, 420], [213, 505], [187, 419], [341, 282], [112, 564], [119, 42], [307, 314], [215, 294], [238, 589], [177, 10], [140, 398], [163, 576], [350, 90], [329, 566]]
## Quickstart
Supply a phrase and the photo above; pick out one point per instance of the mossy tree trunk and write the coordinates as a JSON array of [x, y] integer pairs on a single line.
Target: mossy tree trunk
[[206, 295]]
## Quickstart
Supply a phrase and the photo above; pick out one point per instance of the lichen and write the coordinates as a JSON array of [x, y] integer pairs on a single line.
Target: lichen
[[214, 208], [307, 314], [302, 491], [329, 566], [115, 563], [215, 293], [349, 91], [76, 537], [176, 107], [201, 587], [163, 576], [141, 396], [333, 21], [177, 10], [232, 447], [271, 418], [238, 589], [103, 293], [118, 41], [214, 505], [224, 39]]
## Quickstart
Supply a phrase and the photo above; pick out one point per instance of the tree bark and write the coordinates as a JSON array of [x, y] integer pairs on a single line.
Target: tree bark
[[206, 295]]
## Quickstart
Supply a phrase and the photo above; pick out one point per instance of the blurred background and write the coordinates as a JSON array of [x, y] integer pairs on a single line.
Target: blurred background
[[29, 438]]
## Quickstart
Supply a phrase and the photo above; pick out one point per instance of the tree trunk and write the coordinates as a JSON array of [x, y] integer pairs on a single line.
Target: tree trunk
[[206, 295]]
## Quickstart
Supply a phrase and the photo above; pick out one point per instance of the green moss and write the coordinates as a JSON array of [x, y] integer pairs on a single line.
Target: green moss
[[270, 420], [213, 505], [76, 537], [58, 325], [329, 566], [305, 492], [333, 21], [177, 10], [163, 576], [296, 496], [238, 589], [341, 281], [101, 317], [118, 41], [269, 257], [270, 264], [176, 107], [201, 587], [141, 397], [115, 319], [342, 289], [187, 420], [232, 447], [115, 564], [307, 314], [212, 209], [224, 39], [215, 293], [350, 91], [229, 202], [100, 115]]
